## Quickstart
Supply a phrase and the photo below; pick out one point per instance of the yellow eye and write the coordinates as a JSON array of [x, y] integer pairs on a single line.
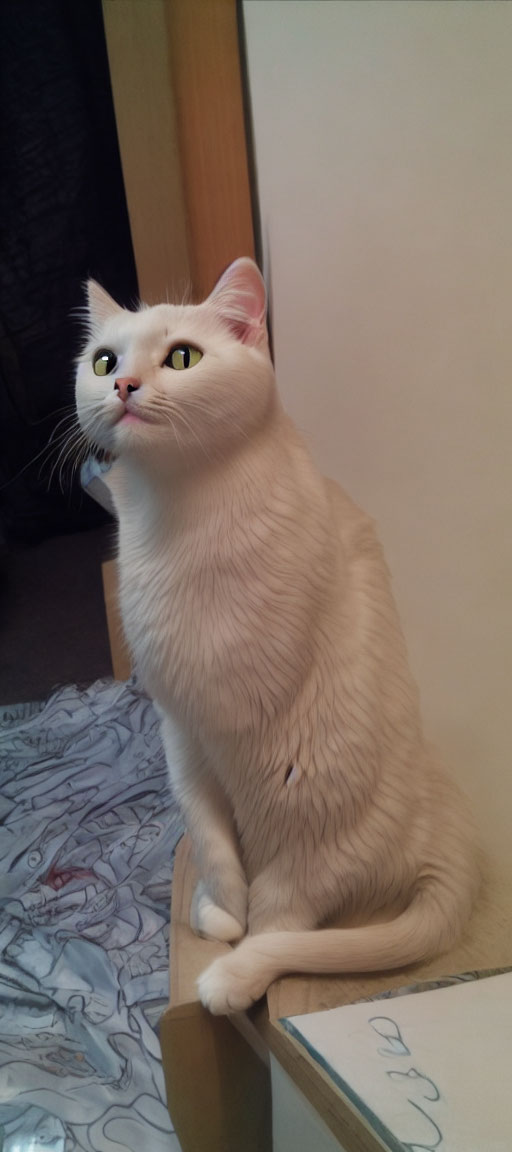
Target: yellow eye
[[104, 361], [183, 356]]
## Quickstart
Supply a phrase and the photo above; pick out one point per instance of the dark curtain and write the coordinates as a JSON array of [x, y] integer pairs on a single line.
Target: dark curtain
[[63, 218]]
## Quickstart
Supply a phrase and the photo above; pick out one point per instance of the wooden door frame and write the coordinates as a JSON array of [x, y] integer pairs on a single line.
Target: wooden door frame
[[178, 98]]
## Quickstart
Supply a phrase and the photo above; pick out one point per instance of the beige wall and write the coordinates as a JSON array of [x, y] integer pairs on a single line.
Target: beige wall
[[384, 153]]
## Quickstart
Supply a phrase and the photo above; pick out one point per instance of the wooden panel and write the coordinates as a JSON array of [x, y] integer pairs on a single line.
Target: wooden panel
[[175, 73], [205, 64], [120, 656], [137, 44], [218, 1091]]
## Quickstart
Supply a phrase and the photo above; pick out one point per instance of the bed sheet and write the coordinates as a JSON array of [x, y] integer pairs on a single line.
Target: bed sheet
[[88, 829]]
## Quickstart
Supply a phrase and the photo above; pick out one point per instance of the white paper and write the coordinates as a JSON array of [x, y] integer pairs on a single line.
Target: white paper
[[432, 1069]]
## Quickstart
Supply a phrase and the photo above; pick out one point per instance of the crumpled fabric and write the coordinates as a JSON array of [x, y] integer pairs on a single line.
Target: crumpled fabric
[[87, 837]]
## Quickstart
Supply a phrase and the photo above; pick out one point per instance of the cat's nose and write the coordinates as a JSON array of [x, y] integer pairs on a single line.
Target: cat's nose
[[126, 384]]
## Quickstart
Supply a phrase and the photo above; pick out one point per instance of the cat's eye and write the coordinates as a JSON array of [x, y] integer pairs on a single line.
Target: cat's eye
[[104, 361], [183, 356]]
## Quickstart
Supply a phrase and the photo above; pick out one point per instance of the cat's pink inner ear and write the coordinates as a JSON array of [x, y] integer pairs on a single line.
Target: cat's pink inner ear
[[101, 305], [239, 297]]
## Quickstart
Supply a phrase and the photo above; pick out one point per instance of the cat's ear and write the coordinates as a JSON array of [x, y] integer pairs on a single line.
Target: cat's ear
[[100, 308], [240, 299]]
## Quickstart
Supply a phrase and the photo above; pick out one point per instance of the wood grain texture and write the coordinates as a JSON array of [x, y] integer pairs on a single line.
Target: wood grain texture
[[136, 34], [119, 654], [218, 1091], [205, 65]]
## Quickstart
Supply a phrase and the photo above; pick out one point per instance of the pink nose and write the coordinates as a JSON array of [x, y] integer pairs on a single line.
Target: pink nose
[[126, 384]]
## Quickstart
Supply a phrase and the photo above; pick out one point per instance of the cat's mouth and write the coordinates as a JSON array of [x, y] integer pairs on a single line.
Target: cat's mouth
[[131, 418], [133, 415]]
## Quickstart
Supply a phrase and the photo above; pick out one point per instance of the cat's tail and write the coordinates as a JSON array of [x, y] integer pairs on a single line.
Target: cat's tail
[[429, 925]]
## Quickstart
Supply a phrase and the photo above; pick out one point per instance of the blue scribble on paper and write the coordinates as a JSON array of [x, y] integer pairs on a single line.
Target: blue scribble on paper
[[419, 1090]]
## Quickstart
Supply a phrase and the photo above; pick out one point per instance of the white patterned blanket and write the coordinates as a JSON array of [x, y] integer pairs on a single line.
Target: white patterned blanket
[[88, 830]]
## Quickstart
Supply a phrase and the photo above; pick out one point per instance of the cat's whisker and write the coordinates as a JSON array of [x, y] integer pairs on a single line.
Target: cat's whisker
[[66, 450], [172, 412], [202, 408], [69, 456], [175, 433], [56, 440], [72, 444], [179, 415], [66, 408], [80, 457], [47, 448]]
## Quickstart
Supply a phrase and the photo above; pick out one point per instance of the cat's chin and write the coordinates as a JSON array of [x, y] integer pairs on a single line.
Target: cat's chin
[[132, 429]]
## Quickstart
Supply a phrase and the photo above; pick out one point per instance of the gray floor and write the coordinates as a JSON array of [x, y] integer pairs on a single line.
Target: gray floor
[[52, 618]]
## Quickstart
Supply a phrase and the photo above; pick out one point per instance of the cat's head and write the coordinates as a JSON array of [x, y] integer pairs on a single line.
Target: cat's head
[[177, 383]]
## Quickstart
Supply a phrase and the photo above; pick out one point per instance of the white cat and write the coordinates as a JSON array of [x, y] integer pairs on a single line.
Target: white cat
[[258, 608]]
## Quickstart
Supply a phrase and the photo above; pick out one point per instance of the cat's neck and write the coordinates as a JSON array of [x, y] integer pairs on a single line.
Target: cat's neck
[[229, 486]]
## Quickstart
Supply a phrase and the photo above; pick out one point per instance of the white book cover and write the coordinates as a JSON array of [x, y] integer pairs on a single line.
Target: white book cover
[[430, 1071]]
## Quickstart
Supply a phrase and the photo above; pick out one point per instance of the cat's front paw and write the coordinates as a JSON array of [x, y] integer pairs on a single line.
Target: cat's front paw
[[212, 922], [230, 984]]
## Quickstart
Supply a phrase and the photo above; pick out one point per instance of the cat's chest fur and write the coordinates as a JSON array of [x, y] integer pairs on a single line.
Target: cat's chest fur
[[217, 633]]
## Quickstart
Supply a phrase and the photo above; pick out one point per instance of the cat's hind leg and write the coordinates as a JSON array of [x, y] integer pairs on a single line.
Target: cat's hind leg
[[277, 903], [219, 906]]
